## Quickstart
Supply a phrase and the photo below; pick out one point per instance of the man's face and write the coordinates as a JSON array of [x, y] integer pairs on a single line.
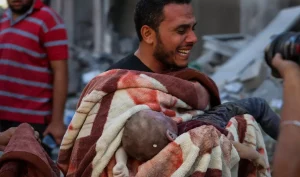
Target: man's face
[[19, 6], [175, 37]]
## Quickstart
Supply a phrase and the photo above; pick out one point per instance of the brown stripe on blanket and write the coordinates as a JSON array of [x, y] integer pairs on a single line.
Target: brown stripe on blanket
[[204, 80], [246, 168], [101, 117], [82, 153], [242, 127], [209, 172]]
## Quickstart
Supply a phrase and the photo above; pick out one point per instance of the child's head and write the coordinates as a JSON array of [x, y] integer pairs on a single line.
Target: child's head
[[146, 133]]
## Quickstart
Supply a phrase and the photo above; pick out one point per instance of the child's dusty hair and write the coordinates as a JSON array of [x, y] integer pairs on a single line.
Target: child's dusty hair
[[146, 133]]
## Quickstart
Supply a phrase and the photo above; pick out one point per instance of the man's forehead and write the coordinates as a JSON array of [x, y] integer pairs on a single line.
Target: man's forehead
[[180, 13]]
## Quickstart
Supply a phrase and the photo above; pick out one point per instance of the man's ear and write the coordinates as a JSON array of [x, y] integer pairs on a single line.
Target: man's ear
[[171, 135], [148, 34]]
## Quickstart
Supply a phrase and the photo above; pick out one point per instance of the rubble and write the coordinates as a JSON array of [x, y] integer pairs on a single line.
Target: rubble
[[284, 21], [225, 44], [254, 75], [234, 87], [217, 50], [240, 70]]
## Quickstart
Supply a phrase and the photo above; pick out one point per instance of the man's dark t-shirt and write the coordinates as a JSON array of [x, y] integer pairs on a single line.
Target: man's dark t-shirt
[[130, 62]]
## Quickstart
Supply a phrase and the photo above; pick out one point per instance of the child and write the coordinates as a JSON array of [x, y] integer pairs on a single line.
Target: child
[[147, 132]]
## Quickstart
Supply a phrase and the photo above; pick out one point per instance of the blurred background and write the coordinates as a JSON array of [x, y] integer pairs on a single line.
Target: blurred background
[[232, 35]]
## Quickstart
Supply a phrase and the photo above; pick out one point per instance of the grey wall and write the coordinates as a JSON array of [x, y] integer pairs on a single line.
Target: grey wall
[[215, 17], [83, 20]]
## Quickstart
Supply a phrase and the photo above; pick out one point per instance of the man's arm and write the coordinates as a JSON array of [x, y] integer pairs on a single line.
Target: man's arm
[[7, 134], [287, 162], [60, 89]]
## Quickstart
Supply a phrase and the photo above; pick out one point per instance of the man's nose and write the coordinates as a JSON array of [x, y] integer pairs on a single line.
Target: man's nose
[[191, 38]]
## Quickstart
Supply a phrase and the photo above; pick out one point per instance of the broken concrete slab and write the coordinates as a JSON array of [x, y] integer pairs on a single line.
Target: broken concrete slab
[[203, 62], [225, 44], [284, 21], [269, 90], [254, 75], [235, 87]]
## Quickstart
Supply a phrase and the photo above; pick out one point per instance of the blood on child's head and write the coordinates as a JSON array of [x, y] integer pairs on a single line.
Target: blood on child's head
[[146, 133]]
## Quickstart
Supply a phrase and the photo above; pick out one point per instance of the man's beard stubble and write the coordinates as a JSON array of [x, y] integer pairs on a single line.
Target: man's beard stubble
[[23, 10], [162, 55]]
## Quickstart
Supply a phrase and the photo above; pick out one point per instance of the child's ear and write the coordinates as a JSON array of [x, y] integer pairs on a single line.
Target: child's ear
[[171, 135]]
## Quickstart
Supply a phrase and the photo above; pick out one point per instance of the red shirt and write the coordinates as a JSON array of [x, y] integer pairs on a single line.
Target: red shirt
[[27, 45]]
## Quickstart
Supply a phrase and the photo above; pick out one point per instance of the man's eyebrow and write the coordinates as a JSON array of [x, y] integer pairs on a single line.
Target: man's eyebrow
[[186, 26], [183, 26]]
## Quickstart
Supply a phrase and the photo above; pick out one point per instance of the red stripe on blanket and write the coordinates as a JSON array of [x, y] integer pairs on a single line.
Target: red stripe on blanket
[[173, 159], [261, 151], [145, 96], [108, 170], [229, 124], [169, 113], [70, 127]]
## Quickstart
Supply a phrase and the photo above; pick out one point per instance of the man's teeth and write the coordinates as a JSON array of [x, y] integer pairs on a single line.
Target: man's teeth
[[184, 51]]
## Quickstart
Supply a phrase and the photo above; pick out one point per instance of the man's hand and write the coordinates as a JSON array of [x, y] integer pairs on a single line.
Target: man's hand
[[285, 67], [5, 137], [57, 130]]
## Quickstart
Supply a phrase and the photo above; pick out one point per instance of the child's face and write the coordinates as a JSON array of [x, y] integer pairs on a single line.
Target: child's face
[[166, 122], [147, 133]]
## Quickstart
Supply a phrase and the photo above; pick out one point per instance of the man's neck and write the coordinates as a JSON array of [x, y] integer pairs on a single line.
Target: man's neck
[[146, 57], [15, 16]]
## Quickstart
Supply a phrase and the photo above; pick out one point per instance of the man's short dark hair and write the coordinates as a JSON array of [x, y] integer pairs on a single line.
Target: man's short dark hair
[[150, 12]]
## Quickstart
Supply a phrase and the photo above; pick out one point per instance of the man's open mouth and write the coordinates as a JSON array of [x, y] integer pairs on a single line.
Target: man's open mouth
[[183, 52]]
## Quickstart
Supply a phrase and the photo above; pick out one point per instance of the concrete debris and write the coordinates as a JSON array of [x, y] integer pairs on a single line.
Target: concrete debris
[[235, 87], [88, 76], [223, 95], [68, 116], [276, 104], [217, 50], [268, 90], [203, 62], [254, 75], [74, 76], [284, 21], [72, 102], [225, 44]]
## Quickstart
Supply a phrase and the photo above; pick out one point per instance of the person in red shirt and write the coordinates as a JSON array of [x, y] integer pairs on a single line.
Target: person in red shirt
[[33, 68]]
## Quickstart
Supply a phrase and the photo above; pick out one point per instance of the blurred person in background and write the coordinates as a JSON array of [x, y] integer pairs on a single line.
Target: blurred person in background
[[33, 68], [287, 159], [7, 134]]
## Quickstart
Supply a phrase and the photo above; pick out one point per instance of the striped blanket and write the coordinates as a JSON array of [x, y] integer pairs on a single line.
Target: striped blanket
[[95, 132]]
